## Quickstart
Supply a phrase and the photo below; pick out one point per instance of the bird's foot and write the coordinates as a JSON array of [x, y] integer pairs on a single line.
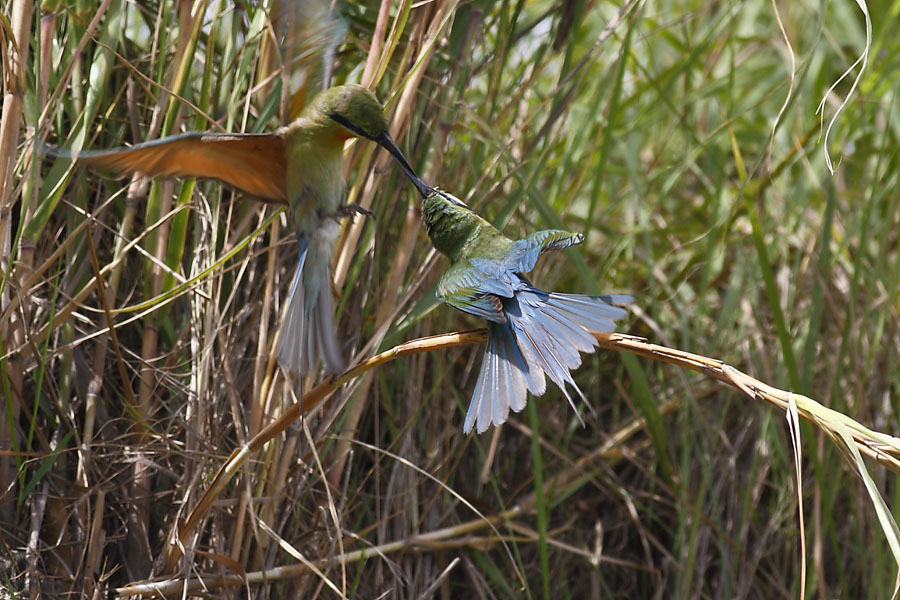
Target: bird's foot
[[356, 209], [349, 210]]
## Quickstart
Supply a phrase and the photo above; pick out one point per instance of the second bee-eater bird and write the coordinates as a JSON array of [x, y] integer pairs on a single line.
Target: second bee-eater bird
[[530, 332], [299, 165]]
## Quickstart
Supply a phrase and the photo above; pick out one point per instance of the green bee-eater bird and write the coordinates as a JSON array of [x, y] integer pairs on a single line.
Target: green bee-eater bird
[[299, 165], [530, 332]]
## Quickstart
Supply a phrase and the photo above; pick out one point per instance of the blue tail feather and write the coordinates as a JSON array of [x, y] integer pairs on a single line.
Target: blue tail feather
[[503, 382], [593, 313], [308, 331], [544, 333], [534, 323]]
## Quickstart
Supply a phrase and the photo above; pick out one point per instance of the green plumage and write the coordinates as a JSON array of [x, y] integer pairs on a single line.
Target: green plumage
[[457, 232]]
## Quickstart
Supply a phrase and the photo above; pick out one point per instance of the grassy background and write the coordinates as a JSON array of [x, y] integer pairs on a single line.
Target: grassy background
[[653, 137]]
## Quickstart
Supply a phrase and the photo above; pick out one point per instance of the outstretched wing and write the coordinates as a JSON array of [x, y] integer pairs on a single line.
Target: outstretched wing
[[525, 252], [470, 289], [252, 163], [308, 32]]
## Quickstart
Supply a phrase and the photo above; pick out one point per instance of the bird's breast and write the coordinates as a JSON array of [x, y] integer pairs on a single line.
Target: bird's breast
[[315, 182]]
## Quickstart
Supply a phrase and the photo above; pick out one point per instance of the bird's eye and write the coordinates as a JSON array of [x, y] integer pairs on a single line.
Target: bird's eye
[[346, 123]]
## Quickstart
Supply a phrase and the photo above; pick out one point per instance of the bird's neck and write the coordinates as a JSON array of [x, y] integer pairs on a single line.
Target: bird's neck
[[453, 229]]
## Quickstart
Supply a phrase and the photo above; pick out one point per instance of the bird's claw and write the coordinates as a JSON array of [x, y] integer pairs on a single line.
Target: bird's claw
[[349, 210], [357, 209]]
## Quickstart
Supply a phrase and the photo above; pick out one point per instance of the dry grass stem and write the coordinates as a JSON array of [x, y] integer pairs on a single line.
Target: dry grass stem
[[883, 448]]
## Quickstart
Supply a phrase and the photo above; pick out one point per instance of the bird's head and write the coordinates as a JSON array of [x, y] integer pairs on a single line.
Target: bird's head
[[359, 113], [355, 109]]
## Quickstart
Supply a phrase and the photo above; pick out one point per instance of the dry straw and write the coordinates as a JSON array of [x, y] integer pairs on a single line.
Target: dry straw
[[851, 436]]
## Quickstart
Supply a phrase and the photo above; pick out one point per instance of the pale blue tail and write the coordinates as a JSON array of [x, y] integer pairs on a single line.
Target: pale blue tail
[[544, 332], [308, 331]]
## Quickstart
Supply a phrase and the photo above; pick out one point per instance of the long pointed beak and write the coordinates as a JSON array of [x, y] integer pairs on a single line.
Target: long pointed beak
[[387, 142]]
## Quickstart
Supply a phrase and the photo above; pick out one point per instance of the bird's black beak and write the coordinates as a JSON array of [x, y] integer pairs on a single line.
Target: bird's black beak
[[387, 142]]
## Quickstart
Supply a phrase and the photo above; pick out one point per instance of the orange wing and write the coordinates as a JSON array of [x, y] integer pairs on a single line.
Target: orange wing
[[253, 163]]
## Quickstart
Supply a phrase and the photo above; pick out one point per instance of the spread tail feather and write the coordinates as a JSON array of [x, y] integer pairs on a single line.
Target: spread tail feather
[[544, 333], [503, 382], [308, 331]]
